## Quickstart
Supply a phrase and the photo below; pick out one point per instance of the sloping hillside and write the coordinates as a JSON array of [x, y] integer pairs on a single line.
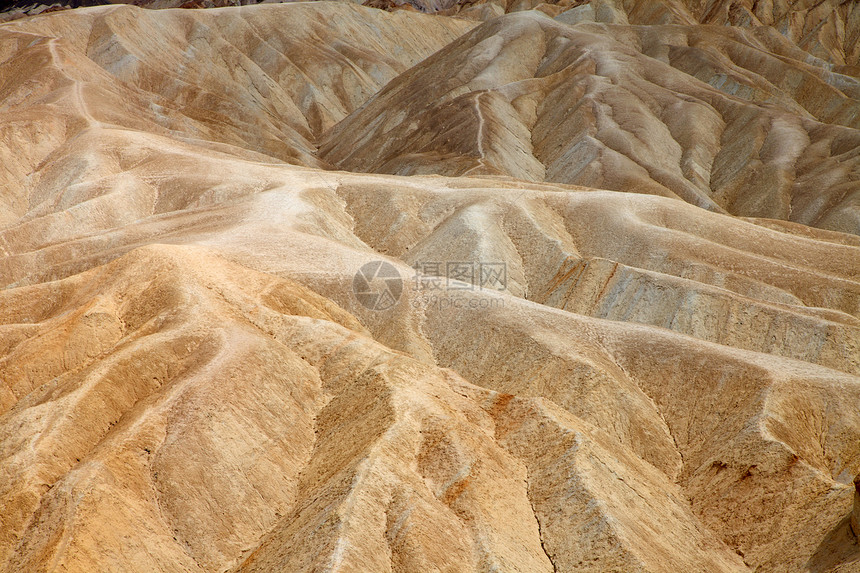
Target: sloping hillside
[[320, 287]]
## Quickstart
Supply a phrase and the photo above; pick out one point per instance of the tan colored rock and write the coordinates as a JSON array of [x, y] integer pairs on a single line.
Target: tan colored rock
[[189, 382], [261, 83], [700, 113]]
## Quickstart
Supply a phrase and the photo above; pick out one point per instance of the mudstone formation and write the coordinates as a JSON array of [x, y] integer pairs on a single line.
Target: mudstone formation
[[443, 286]]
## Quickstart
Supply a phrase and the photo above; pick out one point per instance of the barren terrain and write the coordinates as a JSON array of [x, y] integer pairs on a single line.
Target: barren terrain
[[507, 287]]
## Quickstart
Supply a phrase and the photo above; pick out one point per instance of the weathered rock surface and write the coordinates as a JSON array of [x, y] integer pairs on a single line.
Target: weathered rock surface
[[252, 80], [188, 381], [723, 118]]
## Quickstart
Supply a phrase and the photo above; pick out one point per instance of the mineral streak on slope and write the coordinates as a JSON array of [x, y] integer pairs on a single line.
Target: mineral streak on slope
[[188, 383]]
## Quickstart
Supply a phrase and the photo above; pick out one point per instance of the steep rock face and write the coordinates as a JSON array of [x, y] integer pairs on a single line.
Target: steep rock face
[[190, 382]]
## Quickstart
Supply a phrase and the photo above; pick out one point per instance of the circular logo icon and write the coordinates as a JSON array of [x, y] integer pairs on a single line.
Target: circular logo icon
[[377, 285]]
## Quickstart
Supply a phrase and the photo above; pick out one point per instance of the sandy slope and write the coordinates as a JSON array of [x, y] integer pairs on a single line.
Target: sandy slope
[[188, 381]]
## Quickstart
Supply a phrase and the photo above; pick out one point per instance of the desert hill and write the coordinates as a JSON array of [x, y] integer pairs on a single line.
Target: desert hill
[[648, 358], [720, 117]]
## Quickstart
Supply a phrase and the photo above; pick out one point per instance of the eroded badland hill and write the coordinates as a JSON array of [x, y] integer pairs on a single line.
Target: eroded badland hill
[[505, 287]]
